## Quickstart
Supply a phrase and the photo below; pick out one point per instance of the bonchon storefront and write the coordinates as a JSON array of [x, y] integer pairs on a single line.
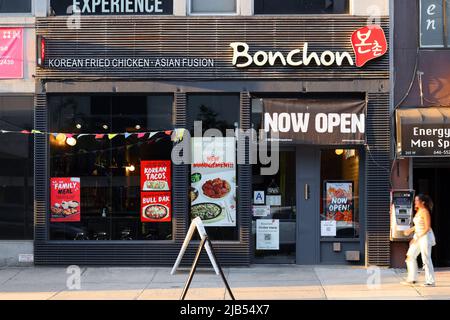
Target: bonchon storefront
[[297, 176]]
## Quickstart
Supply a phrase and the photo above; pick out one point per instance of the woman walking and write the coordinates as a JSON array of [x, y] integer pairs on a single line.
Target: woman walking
[[422, 242]]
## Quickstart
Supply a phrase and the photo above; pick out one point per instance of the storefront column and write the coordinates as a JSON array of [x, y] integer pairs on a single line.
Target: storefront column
[[377, 180], [180, 175], [41, 185], [245, 176]]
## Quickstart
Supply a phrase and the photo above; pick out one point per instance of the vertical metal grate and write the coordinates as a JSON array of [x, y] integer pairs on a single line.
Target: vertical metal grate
[[245, 176], [377, 180], [180, 175], [40, 171]]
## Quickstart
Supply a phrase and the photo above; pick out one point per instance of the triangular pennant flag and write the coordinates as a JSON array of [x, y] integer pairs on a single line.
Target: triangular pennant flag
[[54, 134], [112, 135], [127, 134], [178, 135], [25, 131], [69, 135], [152, 134], [168, 132], [99, 136], [35, 131], [140, 135]]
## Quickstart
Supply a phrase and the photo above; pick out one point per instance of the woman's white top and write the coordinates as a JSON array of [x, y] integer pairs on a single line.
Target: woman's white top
[[419, 223]]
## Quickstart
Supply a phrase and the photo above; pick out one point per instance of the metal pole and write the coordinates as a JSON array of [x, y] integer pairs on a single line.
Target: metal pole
[[193, 268], [221, 271]]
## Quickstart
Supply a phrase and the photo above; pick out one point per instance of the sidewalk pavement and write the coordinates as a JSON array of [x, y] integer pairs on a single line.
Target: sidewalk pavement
[[254, 283]]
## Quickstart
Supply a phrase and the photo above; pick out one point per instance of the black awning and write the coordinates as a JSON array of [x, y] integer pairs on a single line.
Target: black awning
[[423, 132], [316, 121]]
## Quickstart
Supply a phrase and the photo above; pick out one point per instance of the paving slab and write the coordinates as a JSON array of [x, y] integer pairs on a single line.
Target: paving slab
[[8, 273], [280, 292], [163, 275], [273, 273], [97, 295], [21, 295], [118, 275], [194, 293]]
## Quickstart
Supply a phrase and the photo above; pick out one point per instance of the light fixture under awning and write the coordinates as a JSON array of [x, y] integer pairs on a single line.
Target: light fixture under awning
[[423, 132]]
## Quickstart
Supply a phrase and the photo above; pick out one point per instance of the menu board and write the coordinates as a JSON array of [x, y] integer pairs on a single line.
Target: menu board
[[156, 207], [65, 200], [156, 202], [213, 181], [155, 175], [339, 202]]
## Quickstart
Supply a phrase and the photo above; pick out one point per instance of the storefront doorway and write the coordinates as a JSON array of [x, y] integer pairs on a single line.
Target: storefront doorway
[[432, 179], [311, 203]]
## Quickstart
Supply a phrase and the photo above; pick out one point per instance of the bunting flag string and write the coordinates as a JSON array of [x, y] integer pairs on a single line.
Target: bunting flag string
[[176, 134]]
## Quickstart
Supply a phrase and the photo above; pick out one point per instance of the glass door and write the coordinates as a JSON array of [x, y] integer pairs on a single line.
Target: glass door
[[274, 212]]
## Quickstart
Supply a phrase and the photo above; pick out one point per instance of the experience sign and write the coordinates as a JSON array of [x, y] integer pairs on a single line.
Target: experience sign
[[112, 7]]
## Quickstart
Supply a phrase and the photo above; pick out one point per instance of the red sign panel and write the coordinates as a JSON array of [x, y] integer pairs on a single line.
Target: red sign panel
[[369, 43], [156, 207], [11, 53], [65, 199], [155, 175]]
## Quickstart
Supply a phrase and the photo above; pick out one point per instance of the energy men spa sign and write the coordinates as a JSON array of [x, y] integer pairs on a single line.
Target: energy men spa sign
[[112, 7]]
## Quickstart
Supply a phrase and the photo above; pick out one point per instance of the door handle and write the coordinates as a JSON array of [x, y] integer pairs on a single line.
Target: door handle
[[307, 192]]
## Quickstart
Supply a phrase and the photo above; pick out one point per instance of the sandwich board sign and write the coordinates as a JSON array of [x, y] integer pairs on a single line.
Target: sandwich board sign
[[196, 224]]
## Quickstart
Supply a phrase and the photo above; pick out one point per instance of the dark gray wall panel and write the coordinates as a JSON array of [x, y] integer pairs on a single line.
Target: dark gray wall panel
[[203, 37]]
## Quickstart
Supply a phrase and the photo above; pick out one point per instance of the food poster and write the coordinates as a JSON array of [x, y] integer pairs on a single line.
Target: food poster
[[339, 202], [65, 200], [156, 207], [213, 181], [155, 191], [155, 175]]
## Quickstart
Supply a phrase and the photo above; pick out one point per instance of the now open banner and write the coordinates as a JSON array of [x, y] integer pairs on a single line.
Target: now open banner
[[323, 121], [11, 53]]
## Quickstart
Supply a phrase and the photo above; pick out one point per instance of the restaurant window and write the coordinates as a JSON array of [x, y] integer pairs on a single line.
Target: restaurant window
[[15, 6], [340, 183], [434, 23], [112, 138], [16, 168], [301, 7], [213, 190], [213, 6]]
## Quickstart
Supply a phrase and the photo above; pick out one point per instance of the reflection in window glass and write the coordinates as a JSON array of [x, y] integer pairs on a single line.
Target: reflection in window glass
[[15, 6], [16, 168], [214, 111], [109, 168], [280, 194], [301, 6], [213, 6], [339, 173]]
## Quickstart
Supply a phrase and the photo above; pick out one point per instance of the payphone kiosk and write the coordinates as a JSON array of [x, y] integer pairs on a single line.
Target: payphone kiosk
[[402, 210]]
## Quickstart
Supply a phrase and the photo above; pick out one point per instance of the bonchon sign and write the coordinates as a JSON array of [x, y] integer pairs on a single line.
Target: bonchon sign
[[368, 43]]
